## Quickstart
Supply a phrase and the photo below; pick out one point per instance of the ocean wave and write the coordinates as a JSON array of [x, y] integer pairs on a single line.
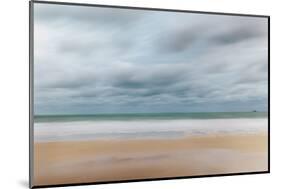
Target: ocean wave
[[92, 130]]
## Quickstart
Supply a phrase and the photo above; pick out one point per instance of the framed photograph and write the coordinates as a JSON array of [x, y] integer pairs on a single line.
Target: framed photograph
[[121, 94]]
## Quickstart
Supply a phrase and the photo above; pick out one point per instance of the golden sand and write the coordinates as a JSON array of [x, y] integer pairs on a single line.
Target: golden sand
[[109, 160]]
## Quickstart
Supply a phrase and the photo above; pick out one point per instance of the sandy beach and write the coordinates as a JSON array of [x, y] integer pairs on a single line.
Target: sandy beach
[[62, 162]]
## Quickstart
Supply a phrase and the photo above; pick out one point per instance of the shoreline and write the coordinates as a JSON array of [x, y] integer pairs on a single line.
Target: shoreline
[[107, 160], [144, 129]]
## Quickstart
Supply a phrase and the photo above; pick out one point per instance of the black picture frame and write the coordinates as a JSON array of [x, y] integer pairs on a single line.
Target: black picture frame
[[31, 91]]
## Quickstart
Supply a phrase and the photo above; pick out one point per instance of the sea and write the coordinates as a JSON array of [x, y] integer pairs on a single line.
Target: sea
[[146, 125]]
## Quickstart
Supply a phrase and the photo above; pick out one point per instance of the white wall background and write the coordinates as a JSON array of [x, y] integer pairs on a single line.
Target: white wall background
[[14, 93]]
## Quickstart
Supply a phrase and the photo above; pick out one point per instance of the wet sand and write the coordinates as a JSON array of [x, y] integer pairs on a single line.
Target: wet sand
[[108, 160]]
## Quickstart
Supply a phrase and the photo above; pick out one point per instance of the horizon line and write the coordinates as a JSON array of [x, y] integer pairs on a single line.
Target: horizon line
[[124, 113]]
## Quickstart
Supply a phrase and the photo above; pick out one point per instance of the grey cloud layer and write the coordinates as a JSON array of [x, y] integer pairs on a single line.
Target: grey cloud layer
[[99, 60]]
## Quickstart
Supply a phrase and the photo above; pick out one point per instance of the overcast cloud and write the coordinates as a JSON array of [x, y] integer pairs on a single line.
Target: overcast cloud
[[104, 60]]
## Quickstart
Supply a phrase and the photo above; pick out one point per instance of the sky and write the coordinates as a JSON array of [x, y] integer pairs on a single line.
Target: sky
[[91, 60]]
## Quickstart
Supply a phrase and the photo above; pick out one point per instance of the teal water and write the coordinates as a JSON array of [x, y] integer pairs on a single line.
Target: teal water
[[149, 116]]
